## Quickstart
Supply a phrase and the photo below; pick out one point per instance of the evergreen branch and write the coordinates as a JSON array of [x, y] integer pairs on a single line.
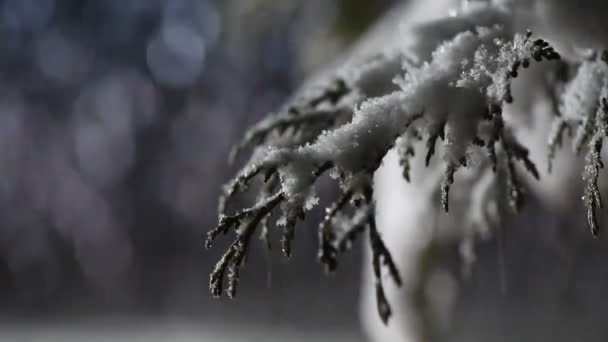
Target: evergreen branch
[[559, 127], [332, 94], [240, 183], [303, 148], [592, 198], [356, 225], [327, 252], [436, 132], [233, 257], [290, 219], [593, 163], [258, 211], [448, 180], [406, 154], [381, 256], [521, 153], [294, 119]]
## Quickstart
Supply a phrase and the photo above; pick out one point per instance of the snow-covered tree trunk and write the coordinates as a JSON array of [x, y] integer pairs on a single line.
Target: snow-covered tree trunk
[[461, 83]]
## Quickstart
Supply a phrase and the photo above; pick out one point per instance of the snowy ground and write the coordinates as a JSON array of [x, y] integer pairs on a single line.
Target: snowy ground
[[309, 307], [119, 329]]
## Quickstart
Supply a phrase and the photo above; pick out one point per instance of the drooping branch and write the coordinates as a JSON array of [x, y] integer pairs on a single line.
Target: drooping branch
[[313, 135], [592, 198], [585, 105], [447, 181], [327, 251], [381, 256], [560, 127], [301, 115], [245, 224]]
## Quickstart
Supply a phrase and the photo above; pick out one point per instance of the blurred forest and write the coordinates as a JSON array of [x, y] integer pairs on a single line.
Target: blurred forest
[[115, 122]]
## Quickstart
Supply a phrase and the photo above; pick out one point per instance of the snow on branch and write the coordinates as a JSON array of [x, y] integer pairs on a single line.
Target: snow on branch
[[456, 97], [585, 108]]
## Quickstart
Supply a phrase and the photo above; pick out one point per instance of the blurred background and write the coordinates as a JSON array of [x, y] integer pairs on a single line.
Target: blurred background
[[116, 117]]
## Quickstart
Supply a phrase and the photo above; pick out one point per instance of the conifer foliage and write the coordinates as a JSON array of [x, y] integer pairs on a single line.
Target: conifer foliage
[[447, 109]]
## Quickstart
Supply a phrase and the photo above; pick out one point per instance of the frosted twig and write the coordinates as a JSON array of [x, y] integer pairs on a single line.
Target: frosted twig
[[295, 120], [436, 132], [381, 255], [592, 198], [232, 259], [257, 212], [240, 183], [291, 218], [300, 115], [327, 252], [311, 137], [267, 189], [447, 181], [560, 126]]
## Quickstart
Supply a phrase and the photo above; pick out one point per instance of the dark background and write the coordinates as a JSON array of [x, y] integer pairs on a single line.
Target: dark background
[[115, 122]]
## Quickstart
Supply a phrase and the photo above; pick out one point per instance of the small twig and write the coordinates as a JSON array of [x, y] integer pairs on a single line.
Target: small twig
[[518, 151], [560, 126], [226, 222], [514, 191], [406, 155], [270, 185], [381, 255], [357, 225], [259, 133], [240, 183], [446, 183], [291, 218], [332, 94], [592, 198], [437, 132], [327, 253]]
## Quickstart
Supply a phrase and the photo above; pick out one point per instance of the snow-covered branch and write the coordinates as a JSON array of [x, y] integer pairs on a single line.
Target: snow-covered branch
[[348, 124]]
